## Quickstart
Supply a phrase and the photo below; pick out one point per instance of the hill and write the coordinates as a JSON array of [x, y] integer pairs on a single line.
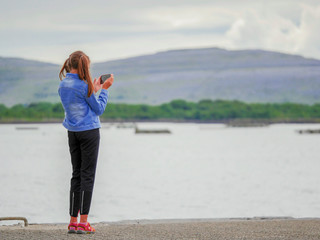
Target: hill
[[245, 75]]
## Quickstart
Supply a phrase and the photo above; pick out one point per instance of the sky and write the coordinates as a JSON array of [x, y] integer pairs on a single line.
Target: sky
[[108, 30]]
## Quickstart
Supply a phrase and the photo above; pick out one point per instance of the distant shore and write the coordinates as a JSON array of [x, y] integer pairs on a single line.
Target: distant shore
[[177, 111]]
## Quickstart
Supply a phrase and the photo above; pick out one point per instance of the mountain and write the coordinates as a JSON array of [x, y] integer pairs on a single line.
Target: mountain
[[194, 74], [25, 81]]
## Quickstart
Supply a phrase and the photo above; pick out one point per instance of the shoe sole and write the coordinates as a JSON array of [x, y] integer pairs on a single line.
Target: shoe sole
[[72, 231]]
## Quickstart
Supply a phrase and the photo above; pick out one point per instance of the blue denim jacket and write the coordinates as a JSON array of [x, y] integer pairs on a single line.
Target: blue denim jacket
[[81, 112]]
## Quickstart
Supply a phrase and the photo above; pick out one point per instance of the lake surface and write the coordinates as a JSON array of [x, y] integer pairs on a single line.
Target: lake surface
[[198, 171]]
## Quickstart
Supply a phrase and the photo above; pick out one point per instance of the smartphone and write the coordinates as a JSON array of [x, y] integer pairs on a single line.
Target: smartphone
[[104, 78]]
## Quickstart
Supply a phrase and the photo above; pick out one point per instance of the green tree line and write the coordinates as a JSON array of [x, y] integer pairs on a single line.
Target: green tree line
[[204, 110]]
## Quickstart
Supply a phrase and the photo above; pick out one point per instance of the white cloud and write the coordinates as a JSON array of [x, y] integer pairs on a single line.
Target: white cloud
[[274, 32], [308, 34], [189, 17]]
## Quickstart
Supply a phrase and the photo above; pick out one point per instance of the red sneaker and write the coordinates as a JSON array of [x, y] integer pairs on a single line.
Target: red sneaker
[[73, 227], [85, 228]]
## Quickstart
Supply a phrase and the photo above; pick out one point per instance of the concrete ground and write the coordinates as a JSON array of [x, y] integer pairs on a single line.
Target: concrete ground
[[256, 228]]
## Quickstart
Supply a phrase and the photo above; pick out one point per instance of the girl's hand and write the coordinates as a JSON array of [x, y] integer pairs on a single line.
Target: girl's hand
[[97, 85], [108, 82]]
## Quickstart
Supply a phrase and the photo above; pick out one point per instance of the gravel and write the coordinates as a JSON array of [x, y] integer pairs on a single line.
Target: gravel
[[301, 229]]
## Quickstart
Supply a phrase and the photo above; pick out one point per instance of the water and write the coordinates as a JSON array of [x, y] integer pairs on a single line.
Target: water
[[198, 171]]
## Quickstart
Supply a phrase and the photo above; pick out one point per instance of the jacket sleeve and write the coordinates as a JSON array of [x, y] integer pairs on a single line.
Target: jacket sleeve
[[98, 105]]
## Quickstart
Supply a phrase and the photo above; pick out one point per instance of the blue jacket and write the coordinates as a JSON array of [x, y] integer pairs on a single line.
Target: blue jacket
[[81, 112]]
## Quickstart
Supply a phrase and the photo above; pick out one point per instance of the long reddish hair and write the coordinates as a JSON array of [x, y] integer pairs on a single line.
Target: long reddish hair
[[80, 62]]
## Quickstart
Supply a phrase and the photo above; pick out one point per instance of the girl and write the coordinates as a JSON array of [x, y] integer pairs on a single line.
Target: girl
[[82, 111]]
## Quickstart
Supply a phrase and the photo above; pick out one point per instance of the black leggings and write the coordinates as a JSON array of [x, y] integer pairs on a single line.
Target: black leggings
[[84, 148]]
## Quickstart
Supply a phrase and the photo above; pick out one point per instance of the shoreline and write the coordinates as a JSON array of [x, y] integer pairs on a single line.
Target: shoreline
[[230, 121]]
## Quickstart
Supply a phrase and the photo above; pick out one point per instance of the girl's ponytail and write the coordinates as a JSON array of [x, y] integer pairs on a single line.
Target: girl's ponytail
[[65, 68], [84, 72]]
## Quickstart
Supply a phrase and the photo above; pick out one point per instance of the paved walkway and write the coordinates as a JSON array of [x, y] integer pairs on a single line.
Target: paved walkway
[[269, 229]]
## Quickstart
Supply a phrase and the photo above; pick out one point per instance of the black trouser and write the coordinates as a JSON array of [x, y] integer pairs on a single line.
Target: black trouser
[[84, 148]]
